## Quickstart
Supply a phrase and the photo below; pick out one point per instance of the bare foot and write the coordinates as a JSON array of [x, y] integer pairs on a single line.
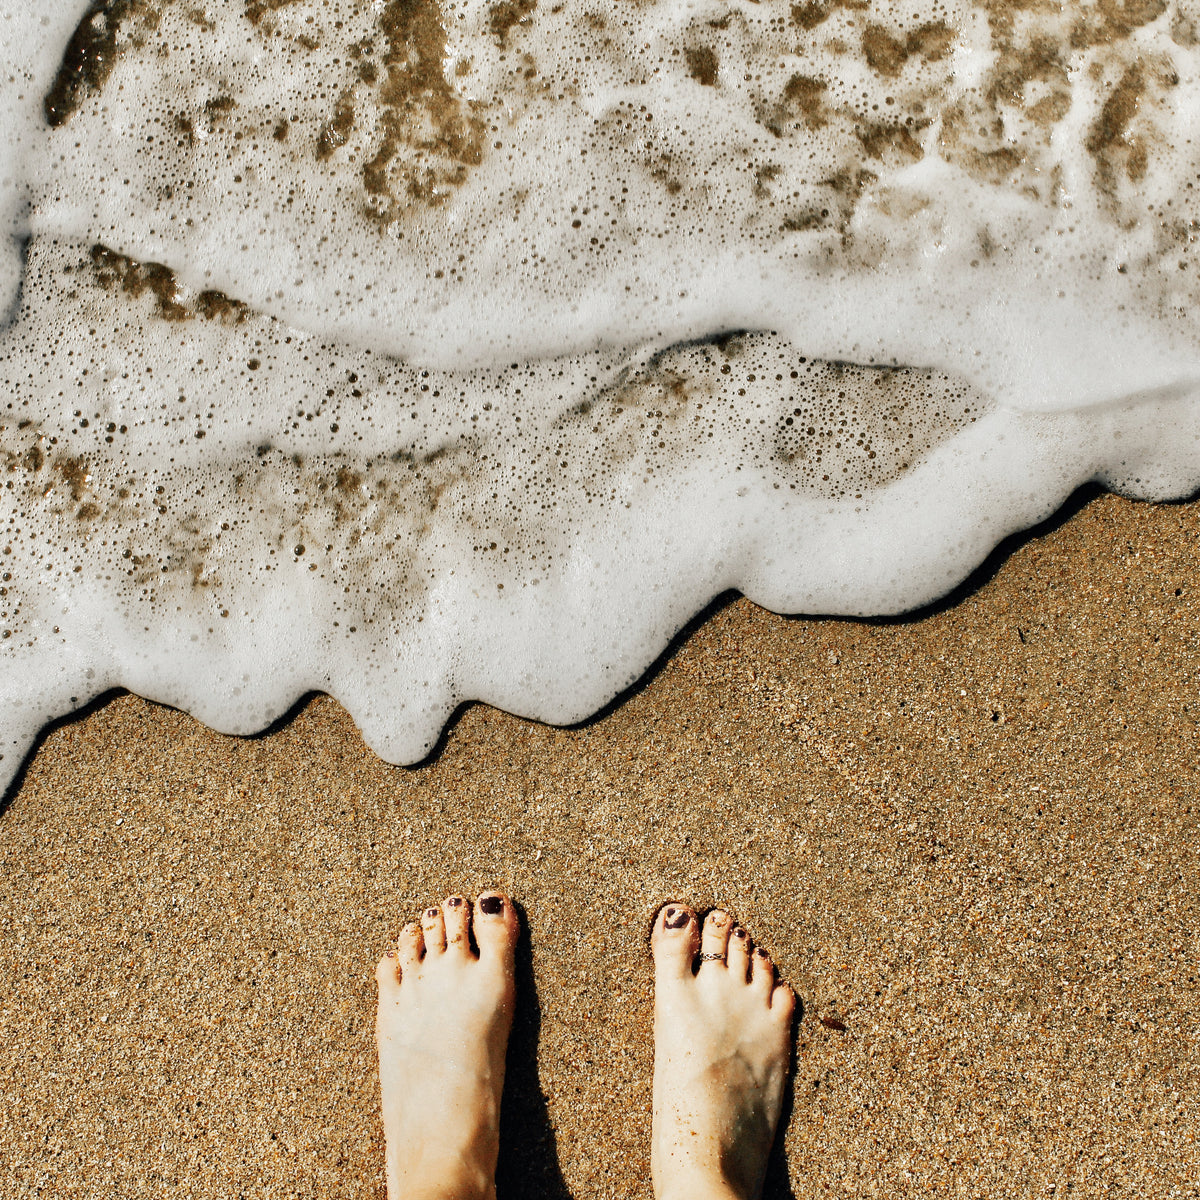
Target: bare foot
[[443, 1022], [721, 1039]]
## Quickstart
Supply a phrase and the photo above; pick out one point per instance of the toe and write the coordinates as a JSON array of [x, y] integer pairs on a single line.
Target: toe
[[496, 928], [762, 972], [434, 929], [387, 975], [674, 941], [456, 913], [410, 946], [714, 941], [739, 953], [783, 1003]]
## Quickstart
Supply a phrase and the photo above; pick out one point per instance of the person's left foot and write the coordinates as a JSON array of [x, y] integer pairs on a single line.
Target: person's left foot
[[444, 1016]]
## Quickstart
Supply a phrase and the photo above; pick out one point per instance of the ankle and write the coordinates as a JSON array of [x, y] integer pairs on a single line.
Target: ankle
[[446, 1180], [449, 1192], [698, 1184]]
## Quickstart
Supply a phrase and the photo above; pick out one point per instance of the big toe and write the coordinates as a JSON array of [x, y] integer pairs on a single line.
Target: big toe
[[496, 928], [674, 941]]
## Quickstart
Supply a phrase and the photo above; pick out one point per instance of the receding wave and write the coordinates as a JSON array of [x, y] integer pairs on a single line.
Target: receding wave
[[424, 352]]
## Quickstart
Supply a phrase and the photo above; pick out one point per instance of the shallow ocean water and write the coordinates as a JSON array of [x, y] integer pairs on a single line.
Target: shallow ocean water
[[420, 353]]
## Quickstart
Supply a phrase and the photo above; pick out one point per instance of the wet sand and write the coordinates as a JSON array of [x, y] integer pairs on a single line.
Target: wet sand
[[970, 840]]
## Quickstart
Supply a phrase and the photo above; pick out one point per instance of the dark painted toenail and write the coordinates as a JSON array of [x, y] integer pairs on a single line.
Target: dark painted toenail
[[762, 953], [492, 905], [454, 901], [431, 913], [676, 918], [739, 933]]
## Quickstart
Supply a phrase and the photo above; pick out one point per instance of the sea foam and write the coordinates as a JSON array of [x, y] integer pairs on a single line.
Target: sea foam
[[422, 353]]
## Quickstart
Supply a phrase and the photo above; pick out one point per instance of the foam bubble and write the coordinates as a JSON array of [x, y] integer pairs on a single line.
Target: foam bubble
[[422, 353]]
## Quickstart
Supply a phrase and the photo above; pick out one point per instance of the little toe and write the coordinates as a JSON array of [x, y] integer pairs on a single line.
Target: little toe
[[456, 912], [410, 946], [387, 975], [738, 955], [714, 940], [762, 972], [434, 929], [496, 927], [783, 1003], [674, 940]]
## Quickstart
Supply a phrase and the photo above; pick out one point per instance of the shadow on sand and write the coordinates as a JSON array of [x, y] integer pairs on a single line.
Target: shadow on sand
[[528, 1168]]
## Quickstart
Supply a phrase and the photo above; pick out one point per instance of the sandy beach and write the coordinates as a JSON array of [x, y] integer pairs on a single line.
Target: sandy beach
[[969, 838]]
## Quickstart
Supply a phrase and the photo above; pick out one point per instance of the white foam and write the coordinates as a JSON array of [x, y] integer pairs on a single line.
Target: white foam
[[31, 40], [377, 349]]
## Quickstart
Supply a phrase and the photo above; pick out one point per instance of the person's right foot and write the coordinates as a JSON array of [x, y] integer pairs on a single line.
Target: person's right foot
[[721, 1041]]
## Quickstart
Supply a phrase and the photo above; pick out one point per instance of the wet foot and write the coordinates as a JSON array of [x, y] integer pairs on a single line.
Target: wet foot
[[445, 1012], [721, 1042]]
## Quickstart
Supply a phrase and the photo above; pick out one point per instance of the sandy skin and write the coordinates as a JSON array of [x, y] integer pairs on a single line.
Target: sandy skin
[[446, 996]]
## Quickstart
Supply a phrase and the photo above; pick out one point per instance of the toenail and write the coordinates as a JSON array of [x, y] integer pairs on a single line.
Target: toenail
[[431, 913], [739, 933], [491, 905], [454, 901], [675, 918], [762, 953]]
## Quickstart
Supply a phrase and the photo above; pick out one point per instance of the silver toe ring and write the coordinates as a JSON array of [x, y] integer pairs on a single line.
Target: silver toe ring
[[712, 958]]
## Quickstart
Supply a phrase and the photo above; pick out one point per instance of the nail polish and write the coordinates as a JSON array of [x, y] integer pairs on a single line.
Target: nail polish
[[491, 905], [454, 901], [675, 918], [739, 933], [431, 913]]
